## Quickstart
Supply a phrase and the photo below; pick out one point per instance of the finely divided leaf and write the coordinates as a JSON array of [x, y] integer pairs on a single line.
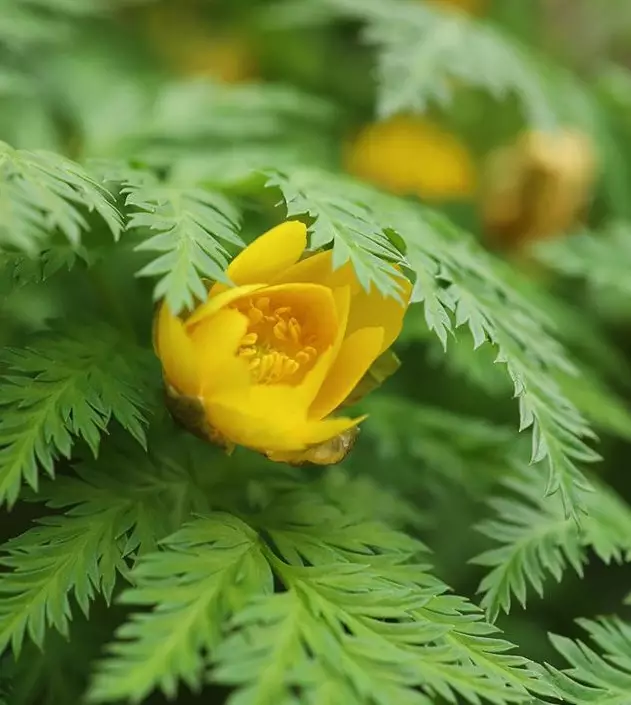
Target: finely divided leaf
[[343, 220], [360, 620], [598, 674], [538, 540], [477, 293], [207, 571], [116, 509], [41, 192], [191, 224], [63, 389], [424, 51]]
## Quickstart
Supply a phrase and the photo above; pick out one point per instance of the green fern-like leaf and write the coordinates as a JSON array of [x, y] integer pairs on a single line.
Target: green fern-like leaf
[[598, 674], [202, 110], [601, 259], [482, 298], [59, 558], [339, 631], [460, 285], [116, 509], [425, 50], [190, 223], [538, 540], [444, 446], [63, 389], [209, 569], [41, 192], [359, 618], [344, 221]]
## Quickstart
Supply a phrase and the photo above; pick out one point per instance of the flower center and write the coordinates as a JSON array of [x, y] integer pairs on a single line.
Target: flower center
[[276, 345]]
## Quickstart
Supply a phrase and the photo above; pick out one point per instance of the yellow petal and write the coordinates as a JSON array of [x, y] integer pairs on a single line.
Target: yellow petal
[[375, 310], [280, 433], [367, 310], [215, 304], [267, 432], [216, 340], [177, 353], [356, 355], [267, 256], [318, 269], [315, 378], [320, 431]]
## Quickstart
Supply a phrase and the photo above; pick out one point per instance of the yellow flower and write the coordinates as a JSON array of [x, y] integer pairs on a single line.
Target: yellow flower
[[270, 359], [227, 59], [410, 156], [184, 41], [471, 7], [537, 187]]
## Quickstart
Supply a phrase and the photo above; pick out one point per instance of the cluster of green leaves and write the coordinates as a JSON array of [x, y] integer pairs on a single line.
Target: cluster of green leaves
[[337, 628], [68, 387]]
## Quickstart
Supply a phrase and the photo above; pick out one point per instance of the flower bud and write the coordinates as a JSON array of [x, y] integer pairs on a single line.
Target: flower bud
[[537, 188]]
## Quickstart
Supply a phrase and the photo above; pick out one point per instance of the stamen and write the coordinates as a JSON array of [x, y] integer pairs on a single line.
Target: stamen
[[263, 304], [267, 362], [249, 339], [275, 347], [291, 367], [302, 358], [255, 315], [280, 330], [294, 330]]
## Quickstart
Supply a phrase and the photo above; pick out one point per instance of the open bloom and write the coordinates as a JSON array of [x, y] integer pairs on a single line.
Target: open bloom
[[271, 358], [410, 156]]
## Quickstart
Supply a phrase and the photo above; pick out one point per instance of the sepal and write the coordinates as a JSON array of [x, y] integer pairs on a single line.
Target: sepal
[[380, 370], [190, 414], [330, 452]]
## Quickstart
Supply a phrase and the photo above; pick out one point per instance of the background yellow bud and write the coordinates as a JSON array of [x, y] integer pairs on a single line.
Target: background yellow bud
[[473, 7], [538, 187]]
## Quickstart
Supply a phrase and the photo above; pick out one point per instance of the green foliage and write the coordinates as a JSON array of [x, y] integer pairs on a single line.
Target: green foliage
[[537, 539], [191, 223], [595, 677], [423, 50], [601, 259], [116, 508], [356, 235], [204, 132], [42, 193], [65, 388], [217, 566], [337, 630]]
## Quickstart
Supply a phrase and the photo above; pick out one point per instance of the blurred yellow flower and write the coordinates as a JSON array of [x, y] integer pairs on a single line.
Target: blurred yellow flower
[[190, 48], [471, 7], [411, 156], [537, 187], [269, 360]]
